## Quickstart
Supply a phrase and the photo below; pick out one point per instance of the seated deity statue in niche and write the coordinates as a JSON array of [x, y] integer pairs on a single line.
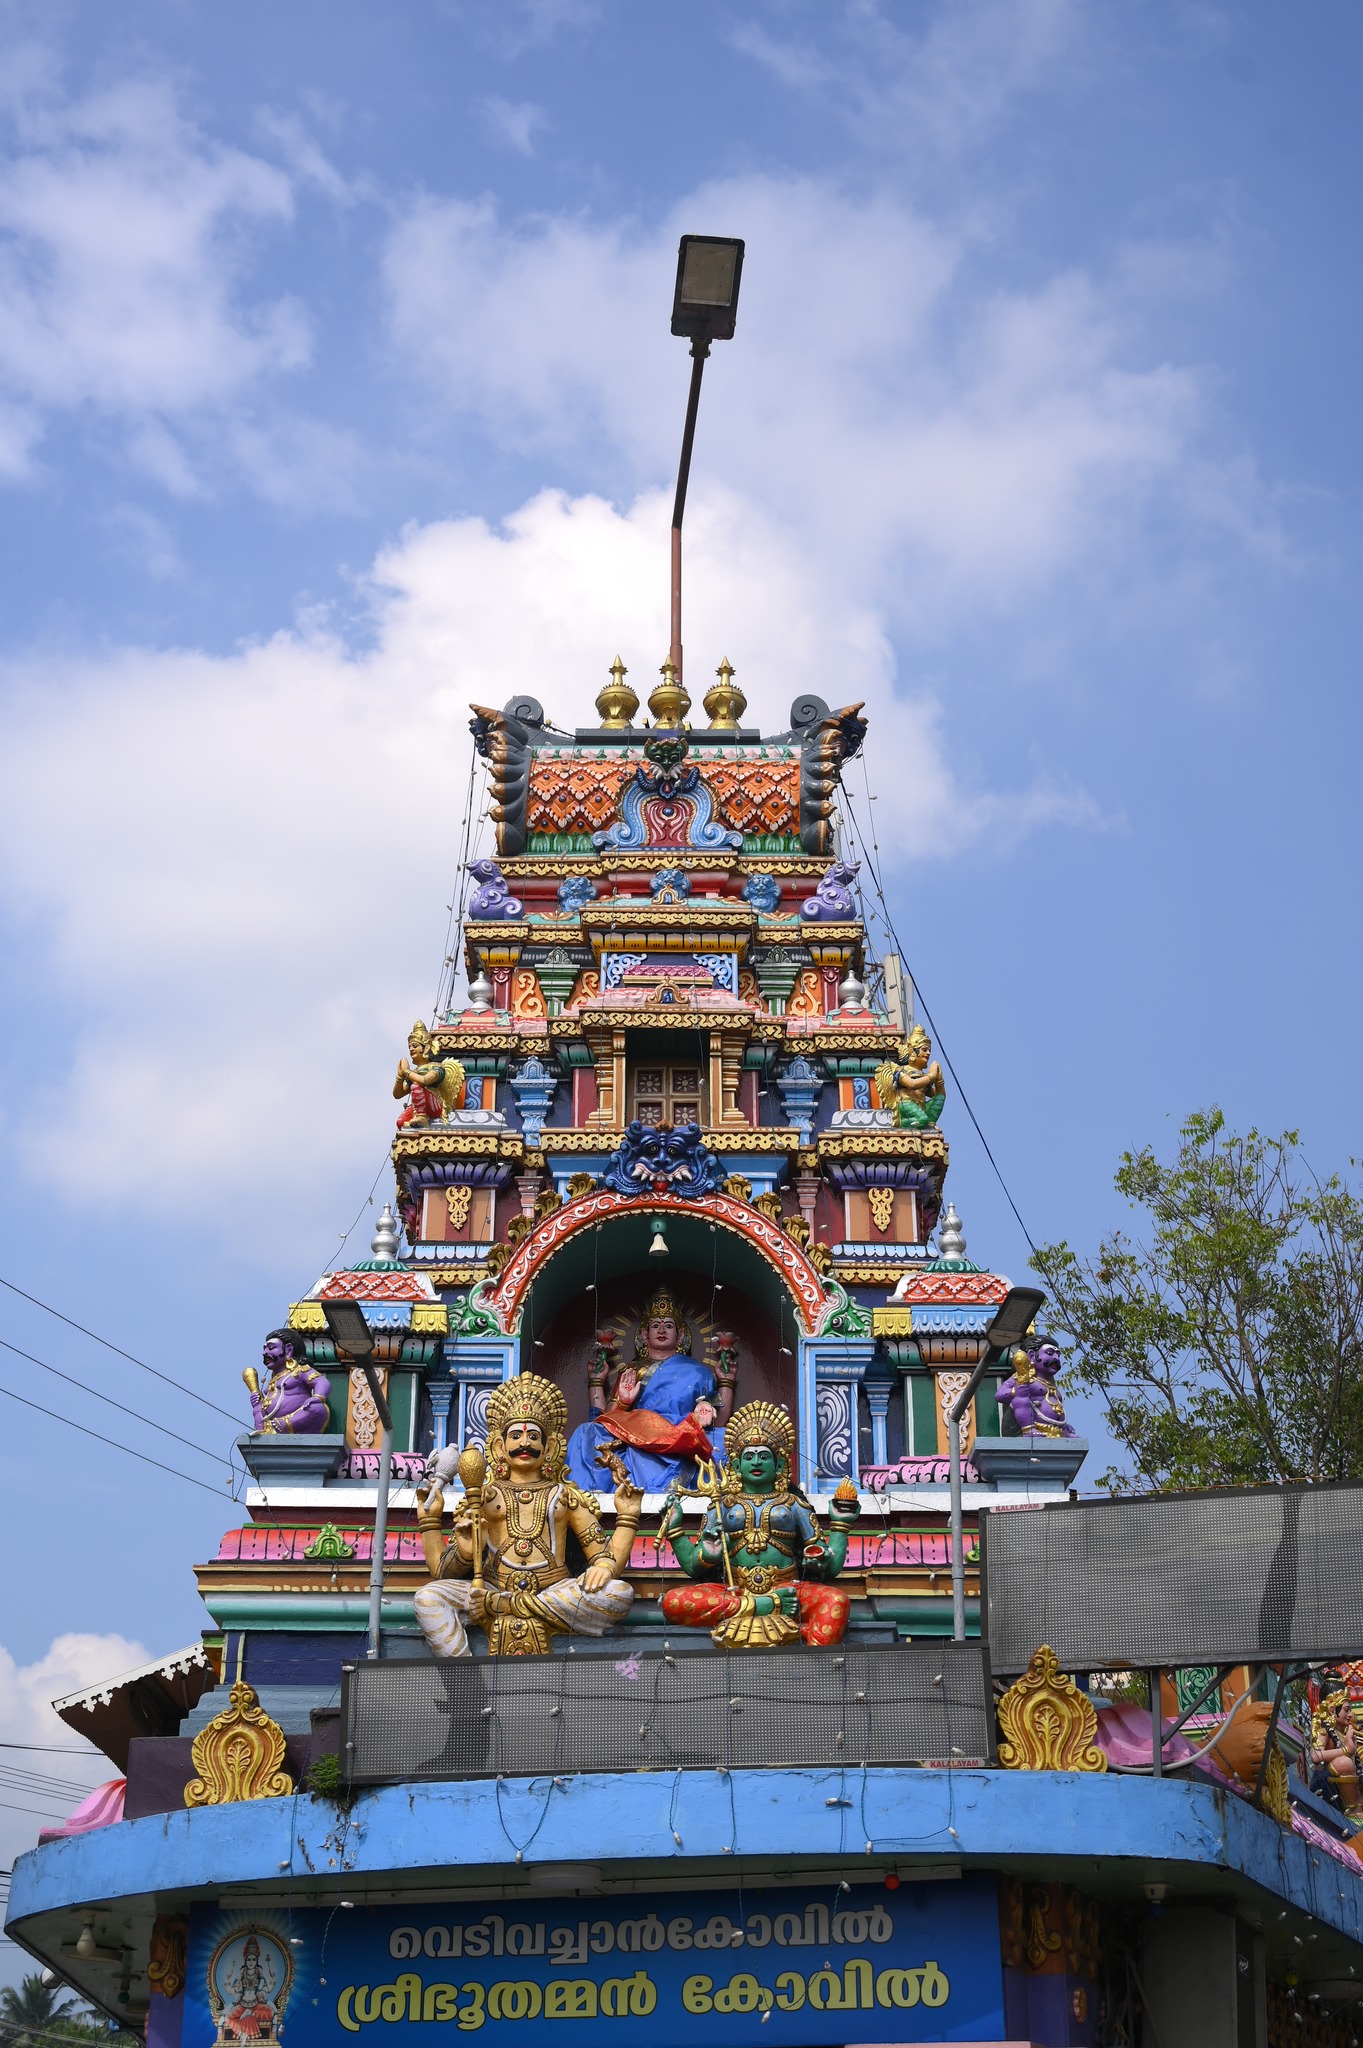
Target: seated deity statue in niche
[[761, 1540], [912, 1087], [293, 1401], [433, 1086], [661, 1413], [503, 1567]]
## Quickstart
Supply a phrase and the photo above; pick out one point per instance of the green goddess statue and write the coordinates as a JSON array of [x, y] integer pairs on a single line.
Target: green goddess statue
[[760, 1545]]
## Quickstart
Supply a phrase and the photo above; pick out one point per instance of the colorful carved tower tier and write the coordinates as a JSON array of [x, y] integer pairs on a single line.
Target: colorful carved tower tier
[[676, 1082]]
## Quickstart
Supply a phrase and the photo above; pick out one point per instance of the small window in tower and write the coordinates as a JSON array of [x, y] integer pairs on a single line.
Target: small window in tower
[[667, 1094]]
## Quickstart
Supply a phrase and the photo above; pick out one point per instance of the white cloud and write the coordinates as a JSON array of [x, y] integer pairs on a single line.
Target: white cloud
[[70, 1664], [904, 83], [127, 238], [514, 122], [940, 443], [247, 914]]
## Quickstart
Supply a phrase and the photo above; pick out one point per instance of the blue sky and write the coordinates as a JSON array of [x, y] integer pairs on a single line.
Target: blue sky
[[336, 389]]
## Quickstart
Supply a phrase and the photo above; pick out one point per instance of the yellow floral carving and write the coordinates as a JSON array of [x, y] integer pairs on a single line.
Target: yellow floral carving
[[430, 1318], [458, 1202], [1049, 1724], [306, 1315], [239, 1755], [881, 1204]]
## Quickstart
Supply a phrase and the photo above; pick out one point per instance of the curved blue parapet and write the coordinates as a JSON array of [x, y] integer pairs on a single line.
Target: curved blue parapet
[[1182, 1834]]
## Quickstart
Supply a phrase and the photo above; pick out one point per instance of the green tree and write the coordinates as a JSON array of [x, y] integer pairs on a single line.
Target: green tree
[[1227, 1336], [32, 2010]]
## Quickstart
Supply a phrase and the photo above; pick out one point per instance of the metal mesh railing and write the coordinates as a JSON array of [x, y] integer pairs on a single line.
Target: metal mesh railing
[[916, 1703], [1253, 1575]]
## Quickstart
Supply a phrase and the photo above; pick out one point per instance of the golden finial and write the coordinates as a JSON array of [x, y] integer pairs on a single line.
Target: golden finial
[[669, 702], [724, 701], [617, 703]]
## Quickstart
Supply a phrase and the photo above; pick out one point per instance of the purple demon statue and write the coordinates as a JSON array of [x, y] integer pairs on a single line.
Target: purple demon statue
[[293, 1401], [1031, 1394]]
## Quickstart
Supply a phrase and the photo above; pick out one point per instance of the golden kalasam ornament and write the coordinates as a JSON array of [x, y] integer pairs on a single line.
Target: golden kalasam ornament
[[239, 1755], [617, 703], [668, 701], [1049, 1724], [724, 701]]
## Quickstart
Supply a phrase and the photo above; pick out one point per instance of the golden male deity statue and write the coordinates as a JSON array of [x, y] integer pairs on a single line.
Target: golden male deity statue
[[503, 1567]]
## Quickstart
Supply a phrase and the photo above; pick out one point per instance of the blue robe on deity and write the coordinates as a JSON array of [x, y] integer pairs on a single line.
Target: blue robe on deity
[[654, 1439]]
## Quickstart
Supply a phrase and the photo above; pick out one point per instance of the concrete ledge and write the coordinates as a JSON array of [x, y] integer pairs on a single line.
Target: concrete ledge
[[1034, 1462], [291, 1460]]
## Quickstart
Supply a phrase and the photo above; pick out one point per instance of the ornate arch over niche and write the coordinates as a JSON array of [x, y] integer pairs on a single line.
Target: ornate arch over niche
[[787, 1262]]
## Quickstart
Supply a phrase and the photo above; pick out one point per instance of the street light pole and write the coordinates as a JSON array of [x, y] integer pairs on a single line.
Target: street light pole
[[700, 349], [704, 306], [352, 1336]]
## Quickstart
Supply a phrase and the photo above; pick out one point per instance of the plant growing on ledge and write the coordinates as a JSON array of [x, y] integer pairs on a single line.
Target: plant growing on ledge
[[1226, 1341]]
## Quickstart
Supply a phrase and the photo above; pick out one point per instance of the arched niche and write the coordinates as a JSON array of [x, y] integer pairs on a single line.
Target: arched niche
[[604, 1275]]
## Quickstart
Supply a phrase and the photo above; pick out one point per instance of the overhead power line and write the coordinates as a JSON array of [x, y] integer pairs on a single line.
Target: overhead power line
[[69, 1423], [121, 1406], [132, 1358]]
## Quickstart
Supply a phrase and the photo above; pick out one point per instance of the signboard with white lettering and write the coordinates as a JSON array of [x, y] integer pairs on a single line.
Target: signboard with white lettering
[[772, 1967]]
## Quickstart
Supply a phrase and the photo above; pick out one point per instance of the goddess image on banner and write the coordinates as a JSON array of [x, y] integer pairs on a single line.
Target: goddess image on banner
[[248, 1979]]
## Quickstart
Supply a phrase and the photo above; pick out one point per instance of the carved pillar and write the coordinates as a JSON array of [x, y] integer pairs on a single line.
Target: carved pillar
[[807, 1193], [528, 1185], [732, 1047], [879, 1394], [442, 1392], [608, 1057]]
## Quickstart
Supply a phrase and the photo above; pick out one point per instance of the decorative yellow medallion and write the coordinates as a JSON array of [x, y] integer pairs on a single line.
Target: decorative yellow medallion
[[1049, 1723], [239, 1755], [458, 1202], [880, 1202]]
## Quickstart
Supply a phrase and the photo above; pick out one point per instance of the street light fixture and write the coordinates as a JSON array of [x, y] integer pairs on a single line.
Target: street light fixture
[[704, 308], [352, 1336], [1012, 1320]]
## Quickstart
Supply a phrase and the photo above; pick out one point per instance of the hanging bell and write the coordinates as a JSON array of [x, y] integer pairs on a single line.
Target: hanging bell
[[658, 1248]]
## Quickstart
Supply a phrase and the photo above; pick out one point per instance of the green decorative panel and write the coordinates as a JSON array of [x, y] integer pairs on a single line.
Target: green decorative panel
[[920, 1414]]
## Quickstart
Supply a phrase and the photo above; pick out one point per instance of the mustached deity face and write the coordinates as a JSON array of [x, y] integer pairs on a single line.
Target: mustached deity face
[[524, 1443], [276, 1354]]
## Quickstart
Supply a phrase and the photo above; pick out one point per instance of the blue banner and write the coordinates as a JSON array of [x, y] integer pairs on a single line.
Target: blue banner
[[787, 1965]]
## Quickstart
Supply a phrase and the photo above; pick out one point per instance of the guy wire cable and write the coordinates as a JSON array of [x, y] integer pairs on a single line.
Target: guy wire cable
[[1113, 1413], [937, 1036]]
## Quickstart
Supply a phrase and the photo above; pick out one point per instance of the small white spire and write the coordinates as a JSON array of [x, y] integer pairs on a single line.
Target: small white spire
[[950, 1236], [384, 1244]]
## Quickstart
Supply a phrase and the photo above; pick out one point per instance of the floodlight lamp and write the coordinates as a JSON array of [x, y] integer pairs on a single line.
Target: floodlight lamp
[[705, 303], [349, 1330], [1014, 1317]]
